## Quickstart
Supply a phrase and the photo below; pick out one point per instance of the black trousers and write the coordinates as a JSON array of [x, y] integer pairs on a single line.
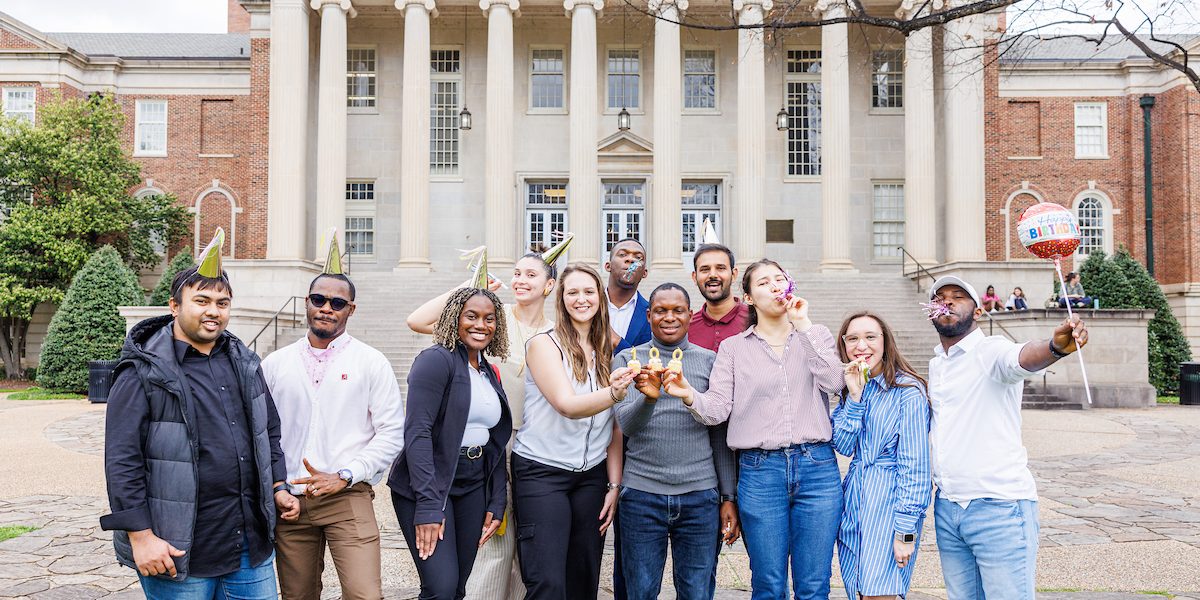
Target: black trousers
[[558, 529], [444, 574]]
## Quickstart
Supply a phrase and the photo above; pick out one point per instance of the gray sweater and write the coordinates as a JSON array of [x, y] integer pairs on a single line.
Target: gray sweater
[[668, 452]]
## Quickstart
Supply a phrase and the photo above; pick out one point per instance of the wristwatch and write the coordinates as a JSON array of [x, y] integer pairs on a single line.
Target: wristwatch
[[1056, 352], [729, 498], [346, 476], [612, 486], [906, 538], [283, 487]]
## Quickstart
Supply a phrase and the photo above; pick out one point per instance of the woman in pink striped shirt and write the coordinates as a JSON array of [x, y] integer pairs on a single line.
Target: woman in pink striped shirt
[[772, 383]]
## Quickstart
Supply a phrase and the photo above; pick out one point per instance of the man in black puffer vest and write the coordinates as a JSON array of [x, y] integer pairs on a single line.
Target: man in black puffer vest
[[192, 454]]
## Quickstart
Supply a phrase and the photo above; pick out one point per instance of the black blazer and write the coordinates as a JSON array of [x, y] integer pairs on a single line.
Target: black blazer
[[439, 398]]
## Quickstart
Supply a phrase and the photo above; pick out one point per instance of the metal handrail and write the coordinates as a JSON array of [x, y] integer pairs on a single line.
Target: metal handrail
[[992, 324], [920, 268], [253, 345]]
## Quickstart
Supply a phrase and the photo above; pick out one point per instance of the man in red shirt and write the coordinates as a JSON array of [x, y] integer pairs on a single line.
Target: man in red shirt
[[723, 315]]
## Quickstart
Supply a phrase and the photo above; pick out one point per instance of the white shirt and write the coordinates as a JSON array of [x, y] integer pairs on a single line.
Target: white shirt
[[975, 394], [484, 412], [353, 420], [619, 317]]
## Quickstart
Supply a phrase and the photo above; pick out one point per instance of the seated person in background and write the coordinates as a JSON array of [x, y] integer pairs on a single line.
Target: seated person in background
[[1074, 293], [1017, 300], [992, 302]]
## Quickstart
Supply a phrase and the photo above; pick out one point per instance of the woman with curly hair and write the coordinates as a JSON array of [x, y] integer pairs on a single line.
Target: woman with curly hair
[[451, 476]]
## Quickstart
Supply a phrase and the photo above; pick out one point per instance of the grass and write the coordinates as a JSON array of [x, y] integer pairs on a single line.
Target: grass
[[8, 532], [37, 393], [1168, 399]]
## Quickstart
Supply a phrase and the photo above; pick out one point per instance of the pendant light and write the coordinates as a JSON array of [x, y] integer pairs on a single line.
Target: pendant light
[[464, 115], [623, 118]]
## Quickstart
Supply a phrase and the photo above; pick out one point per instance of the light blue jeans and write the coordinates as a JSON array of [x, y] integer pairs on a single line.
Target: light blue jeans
[[246, 583], [989, 549]]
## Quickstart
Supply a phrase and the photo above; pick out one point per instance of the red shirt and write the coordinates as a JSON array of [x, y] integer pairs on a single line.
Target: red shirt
[[708, 332]]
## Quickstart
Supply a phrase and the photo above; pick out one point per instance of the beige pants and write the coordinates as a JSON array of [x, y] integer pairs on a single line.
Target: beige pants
[[497, 574], [346, 521]]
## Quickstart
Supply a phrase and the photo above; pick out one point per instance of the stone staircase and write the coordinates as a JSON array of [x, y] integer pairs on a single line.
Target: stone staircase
[[1034, 396]]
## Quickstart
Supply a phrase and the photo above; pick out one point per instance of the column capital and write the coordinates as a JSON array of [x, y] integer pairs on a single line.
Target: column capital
[[570, 5], [486, 5], [765, 5], [659, 6], [831, 9], [345, 5], [429, 5], [908, 9]]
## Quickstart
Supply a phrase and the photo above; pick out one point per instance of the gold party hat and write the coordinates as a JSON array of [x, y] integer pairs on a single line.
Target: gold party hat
[[333, 262], [478, 266], [209, 259], [551, 256]]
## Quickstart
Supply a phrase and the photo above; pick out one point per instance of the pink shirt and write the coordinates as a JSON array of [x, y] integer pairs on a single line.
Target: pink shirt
[[772, 402]]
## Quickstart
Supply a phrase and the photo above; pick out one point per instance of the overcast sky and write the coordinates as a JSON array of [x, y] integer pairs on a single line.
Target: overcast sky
[[120, 16]]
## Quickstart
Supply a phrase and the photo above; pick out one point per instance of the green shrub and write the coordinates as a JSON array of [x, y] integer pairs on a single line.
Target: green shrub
[[1105, 281], [1167, 345], [87, 325], [162, 290]]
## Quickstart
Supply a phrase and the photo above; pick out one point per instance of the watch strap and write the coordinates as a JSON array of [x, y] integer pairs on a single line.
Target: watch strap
[[283, 487]]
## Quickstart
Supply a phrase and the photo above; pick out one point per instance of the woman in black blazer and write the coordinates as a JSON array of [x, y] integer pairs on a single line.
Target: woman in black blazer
[[451, 475]]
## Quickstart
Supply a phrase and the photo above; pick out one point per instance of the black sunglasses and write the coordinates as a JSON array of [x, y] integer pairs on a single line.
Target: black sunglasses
[[319, 300]]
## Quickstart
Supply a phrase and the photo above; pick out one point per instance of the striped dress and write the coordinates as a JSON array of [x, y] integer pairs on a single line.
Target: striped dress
[[888, 487]]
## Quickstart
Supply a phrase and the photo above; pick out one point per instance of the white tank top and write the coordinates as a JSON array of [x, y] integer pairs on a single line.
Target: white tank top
[[549, 438]]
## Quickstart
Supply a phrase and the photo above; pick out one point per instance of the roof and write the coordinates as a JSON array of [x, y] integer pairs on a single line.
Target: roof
[[159, 45], [1113, 48]]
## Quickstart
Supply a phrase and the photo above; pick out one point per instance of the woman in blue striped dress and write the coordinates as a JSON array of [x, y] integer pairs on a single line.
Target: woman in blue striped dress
[[882, 422]]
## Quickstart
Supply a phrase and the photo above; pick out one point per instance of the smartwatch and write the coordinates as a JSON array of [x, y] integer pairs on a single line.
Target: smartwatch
[[729, 498], [906, 538]]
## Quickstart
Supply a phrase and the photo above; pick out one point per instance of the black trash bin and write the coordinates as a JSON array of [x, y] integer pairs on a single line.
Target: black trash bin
[[100, 380], [1189, 383]]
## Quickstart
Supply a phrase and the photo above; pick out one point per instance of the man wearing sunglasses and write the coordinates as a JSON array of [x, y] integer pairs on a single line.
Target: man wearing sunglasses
[[342, 425]]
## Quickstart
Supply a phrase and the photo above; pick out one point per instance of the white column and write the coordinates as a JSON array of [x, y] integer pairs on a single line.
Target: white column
[[331, 120], [920, 209], [835, 140], [665, 210], [288, 130], [583, 196], [745, 212], [414, 136], [500, 211], [963, 43]]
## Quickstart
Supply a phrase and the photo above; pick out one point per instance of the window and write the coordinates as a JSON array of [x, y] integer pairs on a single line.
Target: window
[[217, 129], [700, 79], [887, 79], [1091, 130], [803, 97], [700, 200], [360, 77], [1093, 214], [624, 78], [151, 128], [624, 203], [545, 214], [547, 79], [444, 104], [360, 218], [888, 216], [20, 103]]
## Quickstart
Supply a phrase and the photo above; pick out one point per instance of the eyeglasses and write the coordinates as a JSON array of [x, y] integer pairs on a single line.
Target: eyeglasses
[[319, 300], [852, 340]]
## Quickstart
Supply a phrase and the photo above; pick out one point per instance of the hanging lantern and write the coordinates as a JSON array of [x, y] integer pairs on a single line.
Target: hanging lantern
[[781, 119], [464, 119], [623, 119]]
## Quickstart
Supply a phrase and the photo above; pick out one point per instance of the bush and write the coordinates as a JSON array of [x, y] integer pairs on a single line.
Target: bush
[[1168, 345], [1105, 281], [162, 290], [87, 325]]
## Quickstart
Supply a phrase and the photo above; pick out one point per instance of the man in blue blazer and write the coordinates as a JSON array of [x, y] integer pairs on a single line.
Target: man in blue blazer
[[627, 309]]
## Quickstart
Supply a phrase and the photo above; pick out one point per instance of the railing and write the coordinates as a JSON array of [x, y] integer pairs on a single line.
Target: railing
[[274, 323], [921, 270], [993, 324]]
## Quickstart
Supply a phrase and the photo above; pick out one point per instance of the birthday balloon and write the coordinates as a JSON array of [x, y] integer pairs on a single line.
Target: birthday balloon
[[1048, 230]]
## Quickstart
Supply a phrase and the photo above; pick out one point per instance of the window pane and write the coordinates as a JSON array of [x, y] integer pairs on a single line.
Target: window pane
[[699, 79], [1090, 130], [888, 216], [360, 77], [887, 79], [624, 68], [20, 103], [699, 193], [693, 220], [623, 193], [152, 125], [444, 61], [443, 126], [360, 223], [804, 128], [547, 79], [1091, 225], [547, 193], [803, 61]]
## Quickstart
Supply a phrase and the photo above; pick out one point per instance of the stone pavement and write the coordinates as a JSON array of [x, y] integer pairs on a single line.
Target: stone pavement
[[1120, 510]]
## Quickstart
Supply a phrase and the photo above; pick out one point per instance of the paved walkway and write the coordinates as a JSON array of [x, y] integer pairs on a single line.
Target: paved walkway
[[1120, 510]]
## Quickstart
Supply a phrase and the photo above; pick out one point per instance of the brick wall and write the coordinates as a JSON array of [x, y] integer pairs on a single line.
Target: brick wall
[[238, 20], [9, 39]]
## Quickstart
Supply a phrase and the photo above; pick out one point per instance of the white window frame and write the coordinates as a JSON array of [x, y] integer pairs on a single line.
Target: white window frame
[[1107, 219], [358, 209], [699, 210], [137, 133], [373, 75], [640, 109], [639, 209], [896, 257], [716, 108], [9, 112], [566, 65], [545, 209], [459, 78], [807, 78], [1103, 106], [887, 110]]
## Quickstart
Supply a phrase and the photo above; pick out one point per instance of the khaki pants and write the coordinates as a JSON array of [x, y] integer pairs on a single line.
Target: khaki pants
[[346, 521]]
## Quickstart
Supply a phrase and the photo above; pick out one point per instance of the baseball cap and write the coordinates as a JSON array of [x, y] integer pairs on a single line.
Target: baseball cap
[[951, 280]]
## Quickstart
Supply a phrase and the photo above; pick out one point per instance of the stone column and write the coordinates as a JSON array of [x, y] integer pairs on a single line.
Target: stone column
[[583, 196], [665, 210], [920, 209], [331, 121], [745, 212], [835, 139], [499, 209], [288, 131], [963, 43], [414, 136]]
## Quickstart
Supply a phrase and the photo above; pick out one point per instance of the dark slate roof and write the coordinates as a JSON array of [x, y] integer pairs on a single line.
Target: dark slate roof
[[158, 45], [1112, 48]]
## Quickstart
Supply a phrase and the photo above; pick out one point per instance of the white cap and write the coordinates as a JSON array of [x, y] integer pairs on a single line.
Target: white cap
[[950, 280]]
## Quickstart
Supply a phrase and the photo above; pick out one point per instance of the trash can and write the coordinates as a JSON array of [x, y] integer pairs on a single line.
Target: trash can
[[1189, 383], [100, 380]]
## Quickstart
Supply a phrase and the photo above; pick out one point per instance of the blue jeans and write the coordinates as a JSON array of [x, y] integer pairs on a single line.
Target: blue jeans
[[690, 521], [989, 549], [246, 583], [790, 502]]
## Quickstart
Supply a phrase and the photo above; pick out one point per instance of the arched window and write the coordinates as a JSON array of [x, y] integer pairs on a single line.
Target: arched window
[[1095, 223]]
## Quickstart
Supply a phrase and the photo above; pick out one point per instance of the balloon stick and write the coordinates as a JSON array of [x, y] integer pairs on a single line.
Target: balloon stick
[[1087, 387]]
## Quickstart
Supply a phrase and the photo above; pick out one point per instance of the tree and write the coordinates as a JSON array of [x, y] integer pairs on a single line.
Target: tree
[[162, 290], [88, 326], [66, 192], [1167, 345], [1104, 281]]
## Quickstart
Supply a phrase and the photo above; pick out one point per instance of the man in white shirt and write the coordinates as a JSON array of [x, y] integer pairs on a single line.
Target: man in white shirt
[[986, 506], [342, 425]]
